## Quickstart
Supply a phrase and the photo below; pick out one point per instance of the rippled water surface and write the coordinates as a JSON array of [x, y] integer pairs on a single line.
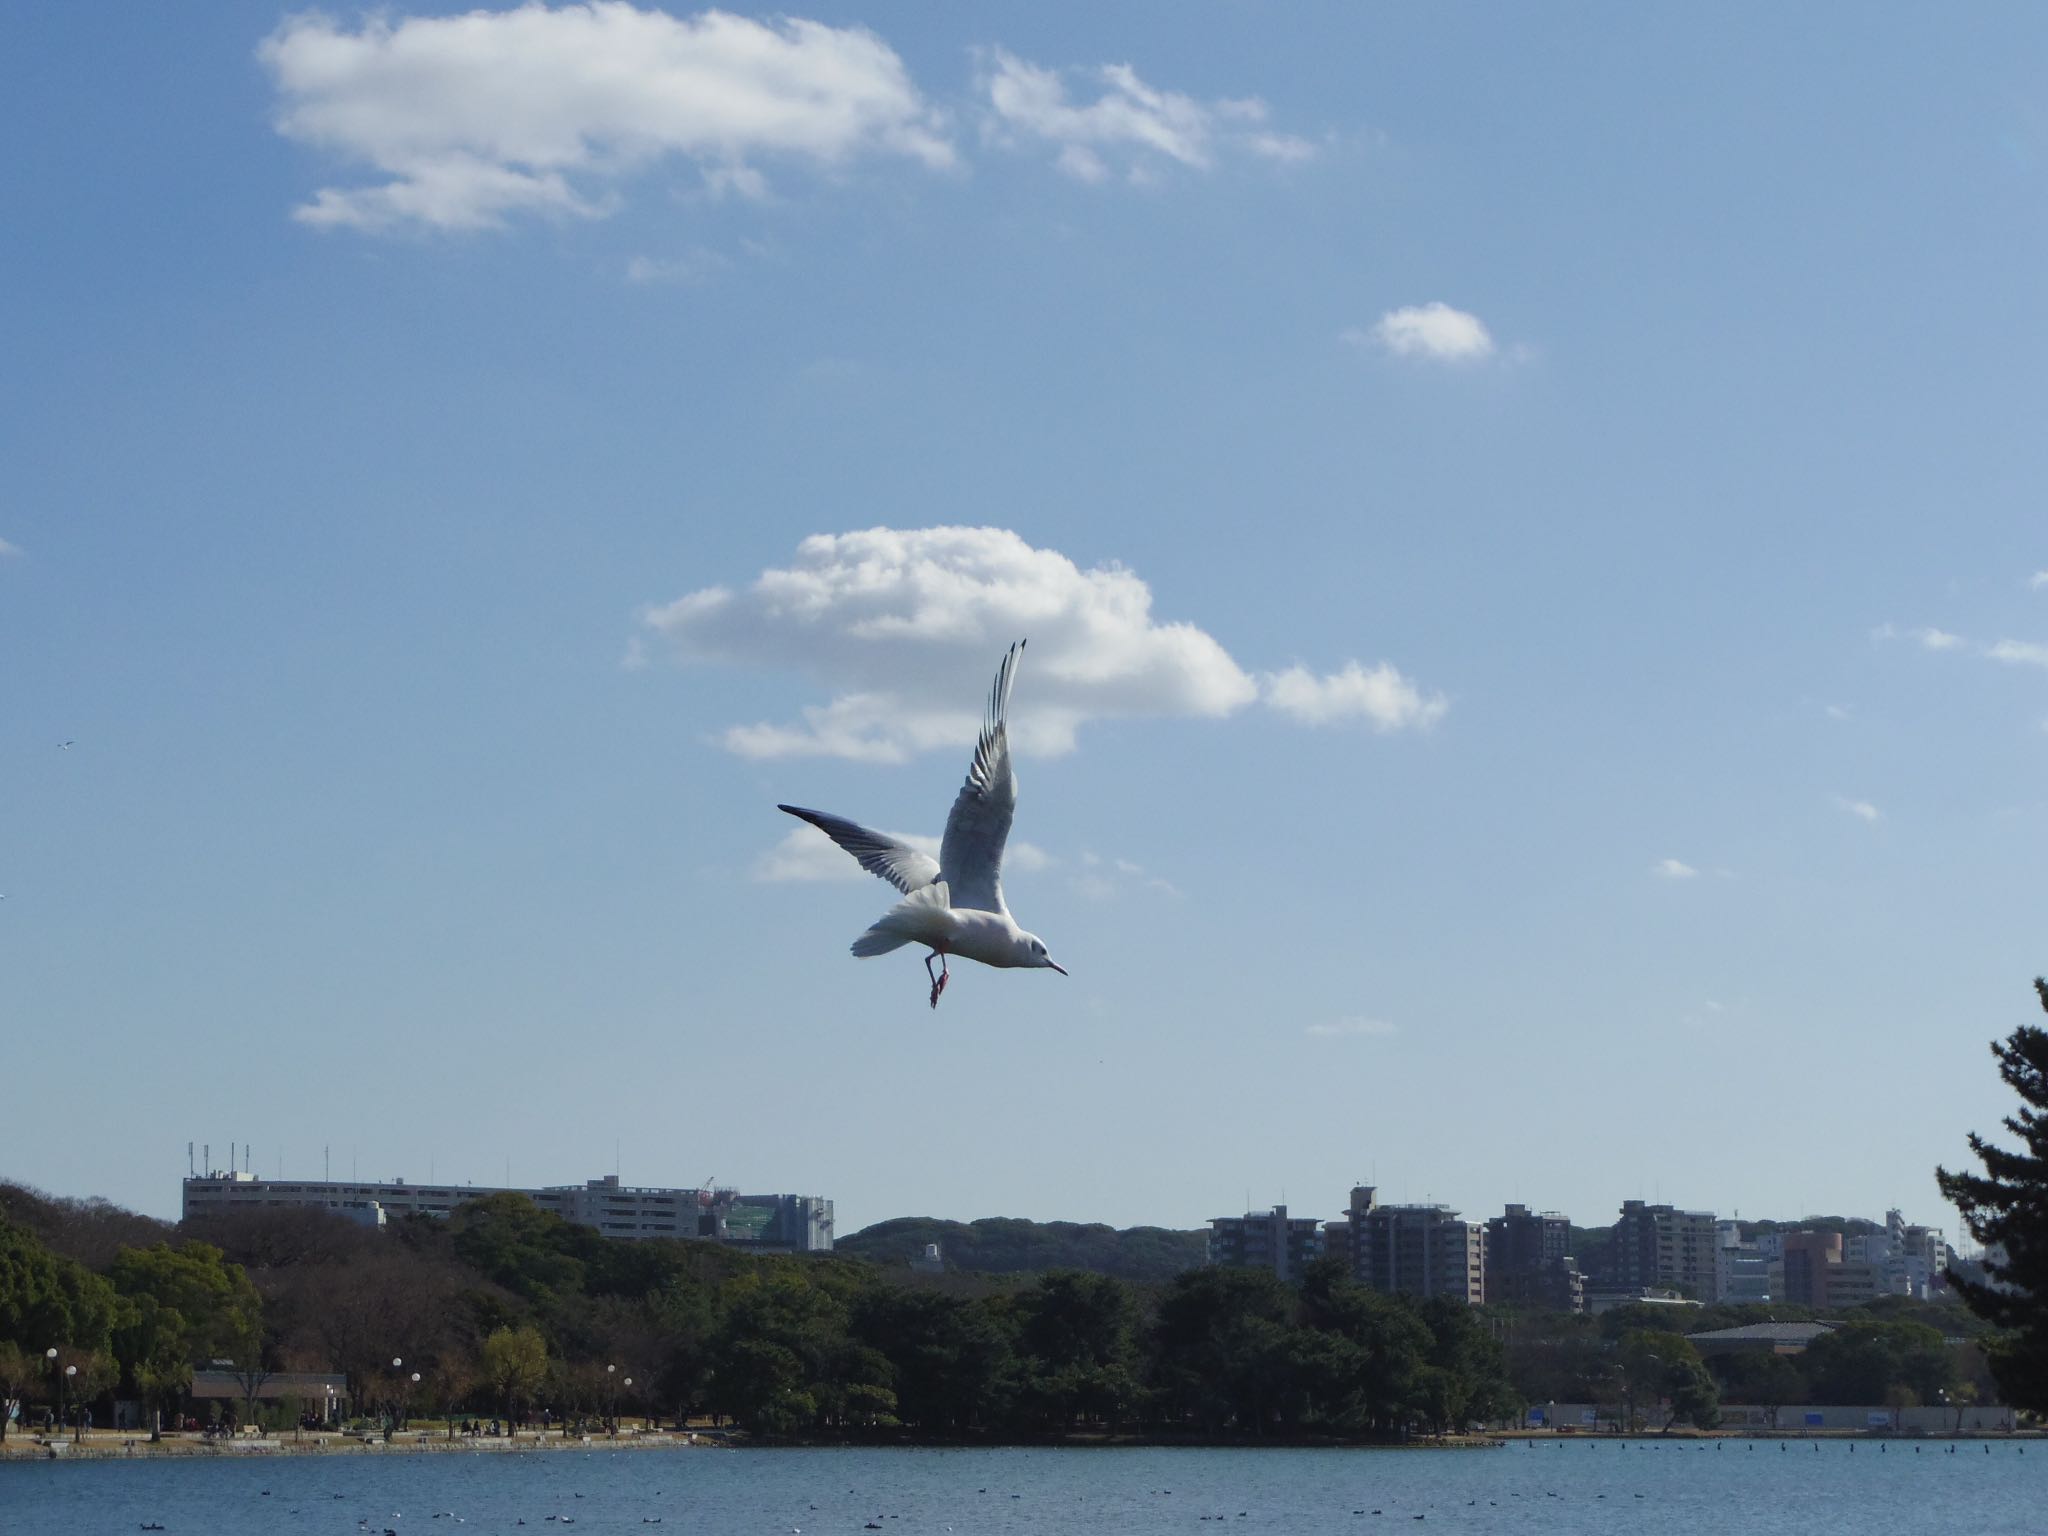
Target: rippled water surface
[[1637, 1487]]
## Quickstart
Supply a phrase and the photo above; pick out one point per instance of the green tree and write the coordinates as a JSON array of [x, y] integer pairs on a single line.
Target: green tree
[[183, 1306], [514, 1364], [19, 1370], [1221, 1347], [1075, 1334], [1860, 1362], [1764, 1378], [2006, 1206], [47, 1300]]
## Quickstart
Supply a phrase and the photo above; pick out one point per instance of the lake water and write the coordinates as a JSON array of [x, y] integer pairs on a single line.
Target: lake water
[[1637, 1487]]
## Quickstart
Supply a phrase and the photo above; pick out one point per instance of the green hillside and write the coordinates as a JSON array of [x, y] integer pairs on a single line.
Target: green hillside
[[1003, 1245]]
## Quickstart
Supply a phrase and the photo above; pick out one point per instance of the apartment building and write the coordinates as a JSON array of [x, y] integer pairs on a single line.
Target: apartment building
[[1663, 1247], [1529, 1262], [1415, 1250], [1266, 1240]]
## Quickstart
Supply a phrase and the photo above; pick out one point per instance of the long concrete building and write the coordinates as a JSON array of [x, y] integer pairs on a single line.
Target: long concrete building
[[778, 1223]]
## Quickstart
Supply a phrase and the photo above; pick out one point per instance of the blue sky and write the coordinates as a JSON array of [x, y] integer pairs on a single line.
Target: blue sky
[[1529, 521]]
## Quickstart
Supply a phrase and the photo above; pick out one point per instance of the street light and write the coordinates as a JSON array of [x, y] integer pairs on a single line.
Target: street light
[[629, 1389], [69, 1372], [50, 1355], [611, 1400]]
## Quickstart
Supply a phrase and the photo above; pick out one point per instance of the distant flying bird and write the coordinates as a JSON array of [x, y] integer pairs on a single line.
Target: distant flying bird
[[67, 745], [954, 905]]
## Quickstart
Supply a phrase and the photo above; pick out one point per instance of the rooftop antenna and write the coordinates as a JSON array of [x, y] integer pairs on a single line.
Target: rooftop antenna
[[190, 1171], [207, 1147], [327, 1163]]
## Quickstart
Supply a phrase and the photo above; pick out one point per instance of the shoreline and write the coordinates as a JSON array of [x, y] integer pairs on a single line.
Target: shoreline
[[111, 1446]]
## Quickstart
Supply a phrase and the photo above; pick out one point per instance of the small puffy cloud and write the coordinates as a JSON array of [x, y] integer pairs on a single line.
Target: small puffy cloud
[[1862, 810], [1937, 639], [472, 118], [1836, 711], [7, 549], [1379, 694], [1375, 1028], [1134, 124], [1434, 332], [806, 854], [2022, 653], [1673, 869], [2038, 580], [905, 626]]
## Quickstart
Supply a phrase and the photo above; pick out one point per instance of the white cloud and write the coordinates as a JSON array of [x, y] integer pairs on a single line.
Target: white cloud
[[1379, 694], [1433, 331], [1138, 124], [479, 116], [2020, 652], [1353, 1027], [806, 854], [1837, 711], [1863, 810], [691, 267], [905, 627], [1937, 639], [7, 549], [2038, 580], [1673, 869]]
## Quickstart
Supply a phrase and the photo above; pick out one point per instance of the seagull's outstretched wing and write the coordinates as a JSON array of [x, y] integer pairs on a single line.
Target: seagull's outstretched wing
[[879, 854], [972, 854]]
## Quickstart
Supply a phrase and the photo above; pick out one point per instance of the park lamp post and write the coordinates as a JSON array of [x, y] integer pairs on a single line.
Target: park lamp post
[[629, 1393], [56, 1381], [611, 1400], [69, 1372], [411, 1392], [391, 1419]]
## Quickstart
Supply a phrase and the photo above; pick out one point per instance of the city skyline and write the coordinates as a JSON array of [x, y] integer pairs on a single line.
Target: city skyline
[[1528, 526]]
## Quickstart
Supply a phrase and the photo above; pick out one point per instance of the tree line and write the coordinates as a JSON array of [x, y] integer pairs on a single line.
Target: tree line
[[508, 1311]]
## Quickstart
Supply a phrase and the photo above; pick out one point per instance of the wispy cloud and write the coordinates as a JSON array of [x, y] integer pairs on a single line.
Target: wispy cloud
[[694, 266], [2025, 653], [1434, 332], [473, 118], [904, 626], [1937, 639], [805, 854], [2038, 580], [1836, 711], [1673, 869], [1376, 1028], [1129, 129], [1862, 810], [7, 549], [1100, 879]]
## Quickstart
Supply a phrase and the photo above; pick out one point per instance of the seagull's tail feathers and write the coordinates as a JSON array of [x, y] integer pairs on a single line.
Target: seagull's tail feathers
[[918, 918]]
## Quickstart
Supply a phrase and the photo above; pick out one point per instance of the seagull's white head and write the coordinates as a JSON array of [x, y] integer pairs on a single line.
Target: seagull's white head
[[1031, 952]]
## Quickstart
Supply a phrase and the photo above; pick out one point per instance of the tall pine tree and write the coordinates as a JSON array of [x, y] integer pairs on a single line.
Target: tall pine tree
[[2007, 1206]]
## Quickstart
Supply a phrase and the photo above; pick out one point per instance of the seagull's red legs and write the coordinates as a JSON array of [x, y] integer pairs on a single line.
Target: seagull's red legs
[[938, 981]]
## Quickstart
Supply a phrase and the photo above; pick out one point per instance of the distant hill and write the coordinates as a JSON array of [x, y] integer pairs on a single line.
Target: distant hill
[[1005, 1245]]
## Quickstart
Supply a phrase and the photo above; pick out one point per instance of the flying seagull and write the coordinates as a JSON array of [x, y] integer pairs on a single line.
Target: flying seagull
[[954, 905]]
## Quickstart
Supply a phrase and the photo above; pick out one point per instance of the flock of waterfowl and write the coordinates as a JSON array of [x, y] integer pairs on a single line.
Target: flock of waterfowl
[[367, 1526]]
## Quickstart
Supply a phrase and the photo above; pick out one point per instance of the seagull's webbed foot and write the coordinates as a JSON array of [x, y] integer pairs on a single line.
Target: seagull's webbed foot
[[938, 981]]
